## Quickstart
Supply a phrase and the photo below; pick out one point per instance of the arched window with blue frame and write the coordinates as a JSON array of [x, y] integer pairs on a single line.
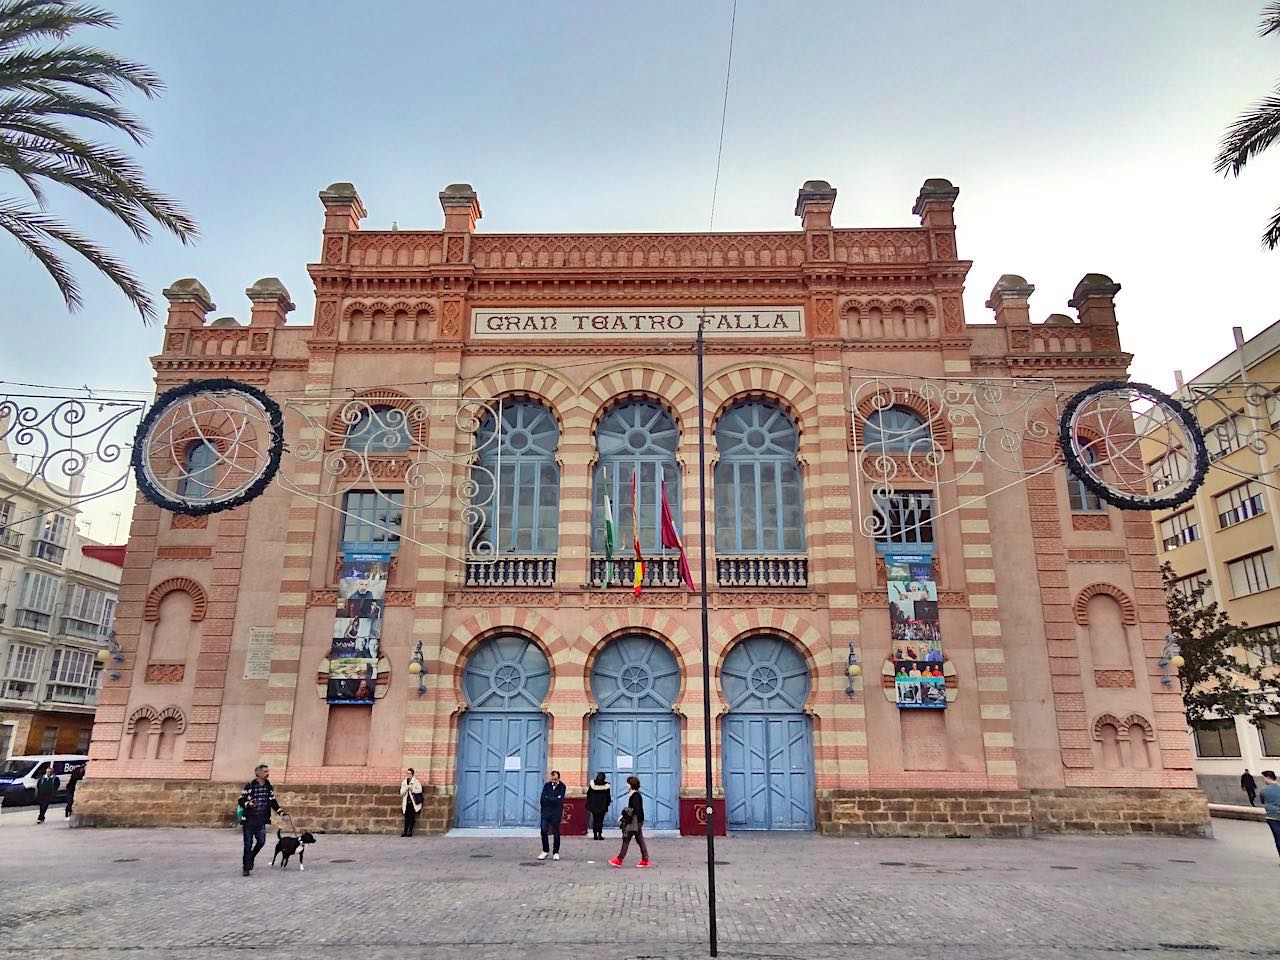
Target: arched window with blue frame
[[199, 469], [523, 515], [1084, 500], [636, 438], [759, 499], [380, 429], [895, 430]]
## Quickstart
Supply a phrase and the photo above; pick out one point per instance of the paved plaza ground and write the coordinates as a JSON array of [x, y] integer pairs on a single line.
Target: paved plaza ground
[[168, 894]]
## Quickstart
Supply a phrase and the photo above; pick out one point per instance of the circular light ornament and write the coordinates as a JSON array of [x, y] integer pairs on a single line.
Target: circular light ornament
[[1103, 431]]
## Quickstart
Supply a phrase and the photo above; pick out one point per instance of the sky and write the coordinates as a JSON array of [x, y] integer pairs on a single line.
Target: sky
[[1081, 136]]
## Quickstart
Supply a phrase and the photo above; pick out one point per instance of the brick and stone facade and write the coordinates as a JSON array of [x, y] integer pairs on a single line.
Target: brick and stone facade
[[1058, 719]]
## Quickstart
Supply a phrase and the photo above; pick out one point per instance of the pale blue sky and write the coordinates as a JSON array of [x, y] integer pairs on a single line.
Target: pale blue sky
[[1080, 135]]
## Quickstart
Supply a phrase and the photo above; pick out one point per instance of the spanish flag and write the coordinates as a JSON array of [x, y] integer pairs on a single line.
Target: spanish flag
[[635, 537]]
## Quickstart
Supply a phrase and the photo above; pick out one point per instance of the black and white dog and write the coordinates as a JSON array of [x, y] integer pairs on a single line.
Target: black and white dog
[[286, 847]]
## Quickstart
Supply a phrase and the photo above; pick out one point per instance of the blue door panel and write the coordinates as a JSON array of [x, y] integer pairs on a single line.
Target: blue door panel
[[490, 794], [768, 772], [653, 744]]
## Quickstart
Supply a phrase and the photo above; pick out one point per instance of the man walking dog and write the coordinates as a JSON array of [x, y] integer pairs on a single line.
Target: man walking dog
[[257, 801]]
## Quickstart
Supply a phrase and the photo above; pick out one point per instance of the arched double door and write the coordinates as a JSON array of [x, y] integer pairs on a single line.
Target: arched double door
[[635, 681], [767, 738], [502, 736]]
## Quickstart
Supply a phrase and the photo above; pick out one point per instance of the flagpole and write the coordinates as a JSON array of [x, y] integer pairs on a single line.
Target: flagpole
[[706, 654]]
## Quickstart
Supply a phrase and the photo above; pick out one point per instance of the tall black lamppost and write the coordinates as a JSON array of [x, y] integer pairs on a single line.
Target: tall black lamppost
[[706, 651]]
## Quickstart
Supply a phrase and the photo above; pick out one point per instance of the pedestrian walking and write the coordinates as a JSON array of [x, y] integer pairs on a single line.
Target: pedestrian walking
[[552, 804], [1249, 786], [410, 801], [257, 800], [632, 823], [46, 791], [599, 797], [76, 776], [1270, 796]]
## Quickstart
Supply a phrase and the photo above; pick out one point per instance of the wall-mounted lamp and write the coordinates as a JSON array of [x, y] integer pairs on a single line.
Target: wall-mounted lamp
[[852, 671], [418, 667], [1170, 656], [111, 652]]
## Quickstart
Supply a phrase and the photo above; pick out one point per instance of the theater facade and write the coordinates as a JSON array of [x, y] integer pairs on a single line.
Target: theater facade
[[919, 623]]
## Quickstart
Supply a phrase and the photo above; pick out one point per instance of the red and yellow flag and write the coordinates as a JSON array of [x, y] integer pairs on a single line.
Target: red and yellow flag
[[635, 536]]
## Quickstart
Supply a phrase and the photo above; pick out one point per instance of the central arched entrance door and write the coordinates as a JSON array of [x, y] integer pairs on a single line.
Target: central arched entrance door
[[502, 736], [635, 681], [767, 737]]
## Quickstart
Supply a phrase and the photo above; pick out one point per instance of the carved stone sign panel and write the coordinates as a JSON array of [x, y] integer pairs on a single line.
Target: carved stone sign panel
[[625, 322]]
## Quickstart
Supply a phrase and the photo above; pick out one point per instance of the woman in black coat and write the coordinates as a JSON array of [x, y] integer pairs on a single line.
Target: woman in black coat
[[632, 823], [599, 796]]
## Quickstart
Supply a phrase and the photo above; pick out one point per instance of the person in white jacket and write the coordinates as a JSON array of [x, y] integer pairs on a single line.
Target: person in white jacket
[[410, 801]]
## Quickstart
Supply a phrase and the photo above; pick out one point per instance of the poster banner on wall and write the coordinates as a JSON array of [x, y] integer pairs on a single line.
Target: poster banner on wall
[[357, 628], [917, 640]]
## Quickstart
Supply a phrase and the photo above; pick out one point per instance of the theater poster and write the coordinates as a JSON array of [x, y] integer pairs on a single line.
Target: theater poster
[[917, 640], [357, 628]]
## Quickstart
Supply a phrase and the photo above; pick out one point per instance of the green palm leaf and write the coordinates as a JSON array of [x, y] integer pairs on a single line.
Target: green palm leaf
[[46, 86]]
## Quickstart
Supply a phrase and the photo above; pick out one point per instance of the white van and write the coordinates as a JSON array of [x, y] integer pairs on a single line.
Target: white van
[[18, 776]]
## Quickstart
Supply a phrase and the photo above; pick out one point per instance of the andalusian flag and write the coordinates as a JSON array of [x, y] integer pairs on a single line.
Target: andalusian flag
[[635, 536], [610, 536]]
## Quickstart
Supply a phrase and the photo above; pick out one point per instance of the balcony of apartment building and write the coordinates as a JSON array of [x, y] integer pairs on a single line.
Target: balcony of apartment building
[[70, 683]]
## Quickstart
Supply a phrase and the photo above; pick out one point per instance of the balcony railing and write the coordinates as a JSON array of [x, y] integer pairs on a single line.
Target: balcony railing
[[83, 629], [45, 550], [70, 693], [762, 570], [18, 690], [658, 572], [33, 620], [512, 572], [11, 539]]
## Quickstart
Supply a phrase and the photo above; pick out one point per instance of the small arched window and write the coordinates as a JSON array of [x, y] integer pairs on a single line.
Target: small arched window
[[636, 438], [895, 430], [758, 495], [199, 469], [524, 515], [1084, 500], [380, 430]]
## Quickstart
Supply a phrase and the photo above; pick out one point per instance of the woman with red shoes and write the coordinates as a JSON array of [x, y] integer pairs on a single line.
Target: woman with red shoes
[[632, 823]]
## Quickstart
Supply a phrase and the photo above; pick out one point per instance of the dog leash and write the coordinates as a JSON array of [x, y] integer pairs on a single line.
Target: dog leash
[[292, 828]]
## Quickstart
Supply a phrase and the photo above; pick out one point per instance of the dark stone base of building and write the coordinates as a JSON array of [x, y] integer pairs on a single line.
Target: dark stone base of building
[[318, 807], [375, 808], [1021, 813]]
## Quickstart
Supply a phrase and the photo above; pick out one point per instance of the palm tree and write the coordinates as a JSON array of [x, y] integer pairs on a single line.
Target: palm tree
[[1255, 130], [46, 82]]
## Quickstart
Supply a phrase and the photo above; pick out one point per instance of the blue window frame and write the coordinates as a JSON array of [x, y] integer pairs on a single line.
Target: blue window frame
[[904, 521], [896, 430], [199, 469], [759, 499], [371, 521], [524, 517], [380, 430], [636, 438], [1084, 500]]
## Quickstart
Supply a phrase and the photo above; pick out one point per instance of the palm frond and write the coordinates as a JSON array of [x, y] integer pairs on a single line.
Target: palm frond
[[33, 229], [1251, 133], [1271, 237], [46, 87], [1270, 20]]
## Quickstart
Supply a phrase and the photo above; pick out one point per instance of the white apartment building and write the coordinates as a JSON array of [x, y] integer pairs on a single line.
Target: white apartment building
[[57, 600]]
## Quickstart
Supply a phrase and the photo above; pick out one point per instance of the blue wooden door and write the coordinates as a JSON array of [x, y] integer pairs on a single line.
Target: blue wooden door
[[767, 739], [502, 763], [502, 737], [636, 681], [647, 747]]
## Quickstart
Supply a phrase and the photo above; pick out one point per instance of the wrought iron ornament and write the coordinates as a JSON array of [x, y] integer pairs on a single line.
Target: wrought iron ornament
[[240, 430], [1101, 433]]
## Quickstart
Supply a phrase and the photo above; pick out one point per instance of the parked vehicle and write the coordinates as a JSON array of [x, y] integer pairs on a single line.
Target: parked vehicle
[[18, 776]]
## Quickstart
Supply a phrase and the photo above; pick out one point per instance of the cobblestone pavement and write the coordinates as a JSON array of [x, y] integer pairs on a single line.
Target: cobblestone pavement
[[178, 895]]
